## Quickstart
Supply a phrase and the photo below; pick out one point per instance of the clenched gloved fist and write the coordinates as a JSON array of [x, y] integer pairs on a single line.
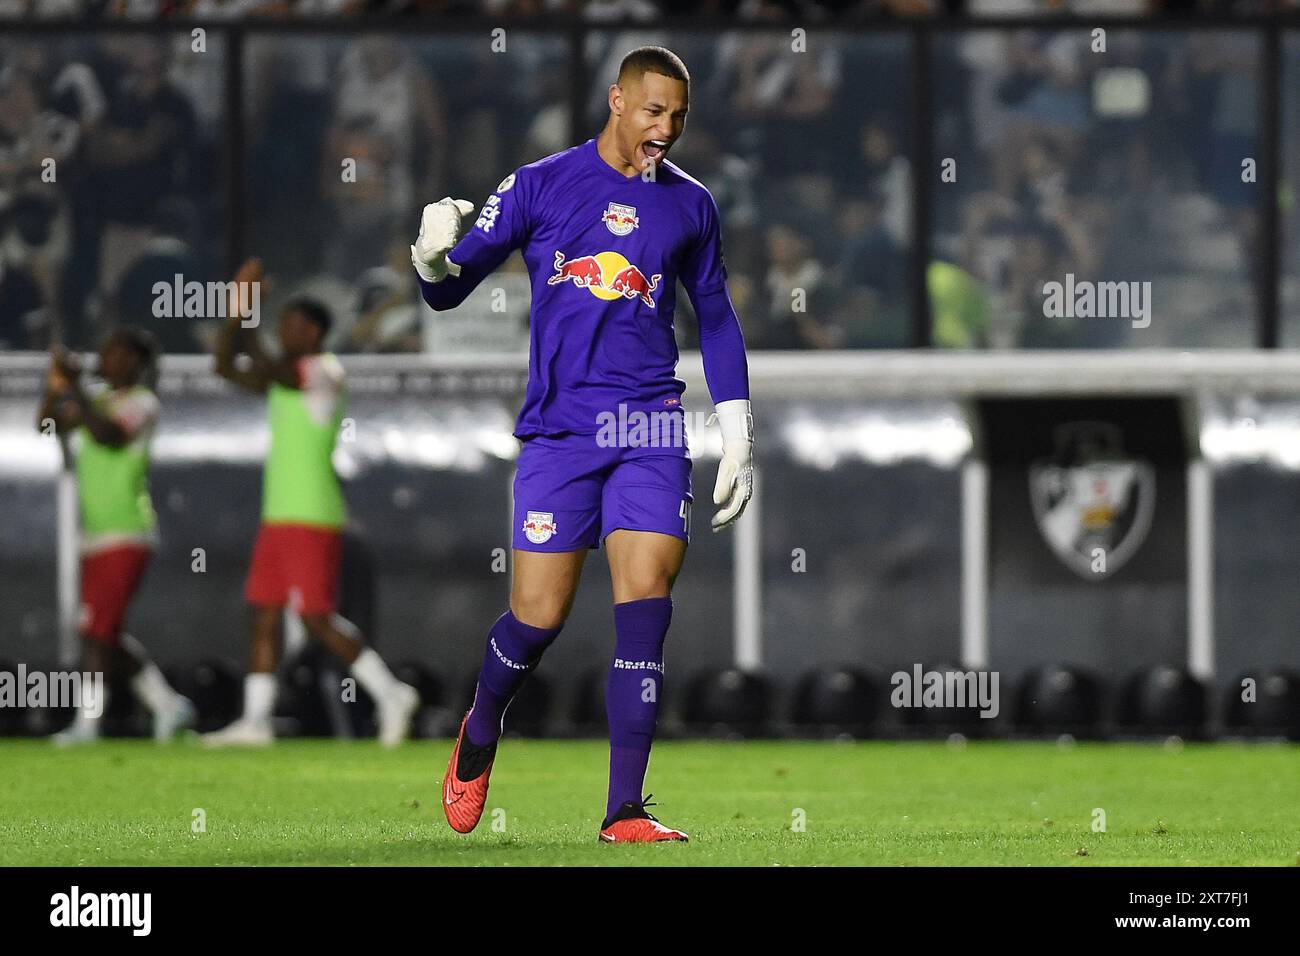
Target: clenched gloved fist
[[441, 227]]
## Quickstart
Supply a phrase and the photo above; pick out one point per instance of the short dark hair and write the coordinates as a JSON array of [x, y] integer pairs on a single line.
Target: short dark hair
[[146, 347], [652, 59], [314, 311], [140, 341]]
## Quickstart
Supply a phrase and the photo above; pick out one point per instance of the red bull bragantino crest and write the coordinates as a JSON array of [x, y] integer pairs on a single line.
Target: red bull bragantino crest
[[607, 275], [620, 219], [539, 526]]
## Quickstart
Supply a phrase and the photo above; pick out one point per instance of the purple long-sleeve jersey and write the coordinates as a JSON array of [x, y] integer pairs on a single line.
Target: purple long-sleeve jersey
[[604, 254]]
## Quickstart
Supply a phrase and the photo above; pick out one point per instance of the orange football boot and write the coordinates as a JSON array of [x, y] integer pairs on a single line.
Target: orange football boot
[[462, 801], [634, 824]]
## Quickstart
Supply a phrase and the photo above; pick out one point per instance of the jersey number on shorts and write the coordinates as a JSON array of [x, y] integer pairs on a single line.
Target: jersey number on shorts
[[684, 512]]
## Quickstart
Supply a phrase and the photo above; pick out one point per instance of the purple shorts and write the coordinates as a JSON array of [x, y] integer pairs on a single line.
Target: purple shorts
[[570, 492]]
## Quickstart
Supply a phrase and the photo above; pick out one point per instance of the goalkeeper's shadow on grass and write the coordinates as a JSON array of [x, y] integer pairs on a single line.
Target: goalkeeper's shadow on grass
[[432, 849]]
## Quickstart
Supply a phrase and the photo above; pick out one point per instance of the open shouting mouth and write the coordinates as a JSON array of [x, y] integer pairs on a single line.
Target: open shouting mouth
[[654, 150]]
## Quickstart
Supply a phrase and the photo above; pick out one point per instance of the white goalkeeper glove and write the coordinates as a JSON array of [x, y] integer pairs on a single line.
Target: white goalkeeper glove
[[440, 229], [735, 484]]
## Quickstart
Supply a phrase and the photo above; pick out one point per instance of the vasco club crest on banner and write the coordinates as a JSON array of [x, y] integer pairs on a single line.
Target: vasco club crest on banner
[[1092, 502]]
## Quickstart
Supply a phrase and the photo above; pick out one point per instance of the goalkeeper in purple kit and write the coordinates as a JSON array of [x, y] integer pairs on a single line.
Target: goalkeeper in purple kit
[[607, 230]]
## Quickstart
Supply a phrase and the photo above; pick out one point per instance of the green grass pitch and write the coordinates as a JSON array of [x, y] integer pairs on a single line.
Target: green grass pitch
[[744, 803]]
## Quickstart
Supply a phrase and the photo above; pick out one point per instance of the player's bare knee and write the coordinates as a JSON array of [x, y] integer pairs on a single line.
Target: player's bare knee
[[647, 584], [540, 610], [539, 615]]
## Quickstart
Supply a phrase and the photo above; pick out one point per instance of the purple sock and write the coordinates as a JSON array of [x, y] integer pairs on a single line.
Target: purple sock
[[636, 683], [513, 650]]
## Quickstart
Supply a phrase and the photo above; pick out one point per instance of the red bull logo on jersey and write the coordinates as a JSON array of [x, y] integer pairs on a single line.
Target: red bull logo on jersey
[[606, 275], [539, 526], [620, 219]]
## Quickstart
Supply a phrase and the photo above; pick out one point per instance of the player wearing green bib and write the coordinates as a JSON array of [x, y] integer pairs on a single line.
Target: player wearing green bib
[[299, 547], [111, 430]]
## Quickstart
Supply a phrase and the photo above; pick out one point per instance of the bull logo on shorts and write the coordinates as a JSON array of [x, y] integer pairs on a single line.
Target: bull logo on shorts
[[539, 526]]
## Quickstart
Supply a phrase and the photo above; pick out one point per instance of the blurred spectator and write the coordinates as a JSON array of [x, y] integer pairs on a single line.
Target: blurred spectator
[[870, 225], [36, 143], [140, 153], [386, 114], [94, 135], [23, 322], [1044, 253], [1125, 167], [870, 276], [784, 96], [959, 307], [619, 11], [389, 305], [42, 9], [1044, 99], [290, 85], [798, 289], [498, 101], [770, 11], [549, 130], [166, 254], [1224, 88], [731, 177], [890, 178]]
